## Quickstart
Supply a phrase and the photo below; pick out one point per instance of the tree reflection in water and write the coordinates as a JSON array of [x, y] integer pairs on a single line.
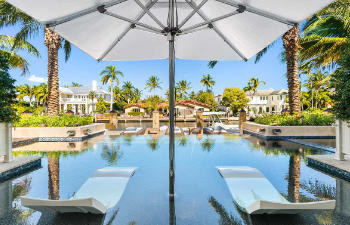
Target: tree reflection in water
[[182, 140], [153, 143], [207, 144], [53, 167], [111, 153], [294, 176]]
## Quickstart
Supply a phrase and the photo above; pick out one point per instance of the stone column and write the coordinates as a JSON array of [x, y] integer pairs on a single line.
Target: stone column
[[113, 119], [155, 117], [242, 119], [199, 121], [339, 153]]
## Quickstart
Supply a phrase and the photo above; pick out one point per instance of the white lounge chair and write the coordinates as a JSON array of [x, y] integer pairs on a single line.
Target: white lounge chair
[[133, 131], [100, 192], [254, 194]]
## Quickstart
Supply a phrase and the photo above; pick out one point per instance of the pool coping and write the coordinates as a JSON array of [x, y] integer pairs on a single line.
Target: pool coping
[[293, 139], [18, 166]]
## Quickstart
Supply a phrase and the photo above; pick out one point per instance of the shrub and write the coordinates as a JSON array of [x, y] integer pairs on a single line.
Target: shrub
[[136, 113], [53, 121], [306, 119]]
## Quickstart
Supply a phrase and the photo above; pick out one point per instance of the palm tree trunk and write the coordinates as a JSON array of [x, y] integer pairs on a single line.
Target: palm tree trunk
[[294, 177], [111, 106], [54, 176], [53, 44], [290, 43]]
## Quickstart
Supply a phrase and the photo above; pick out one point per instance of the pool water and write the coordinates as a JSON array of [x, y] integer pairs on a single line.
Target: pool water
[[201, 194]]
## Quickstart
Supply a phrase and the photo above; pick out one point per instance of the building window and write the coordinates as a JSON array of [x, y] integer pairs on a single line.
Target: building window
[[273, 109], [267, 109], [136, 109]]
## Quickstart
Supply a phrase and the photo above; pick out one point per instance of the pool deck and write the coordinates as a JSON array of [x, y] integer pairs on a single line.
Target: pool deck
[[329, 165], [17, 166]]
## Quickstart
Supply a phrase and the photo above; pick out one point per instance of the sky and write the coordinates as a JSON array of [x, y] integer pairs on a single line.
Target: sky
[[81, 68]]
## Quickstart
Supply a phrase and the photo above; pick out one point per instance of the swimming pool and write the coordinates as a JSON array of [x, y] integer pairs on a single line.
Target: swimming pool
[[201, 195]]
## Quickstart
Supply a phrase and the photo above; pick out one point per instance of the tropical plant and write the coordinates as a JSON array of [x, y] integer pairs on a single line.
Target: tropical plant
[[10, 16], [42, 94], [26, 90], [110, 74], [253, 84], [153, 83], [101, 105], [325, 36], [183, 86], [53, 121], [128, 90], [75, 84], [208, 82], [317, 82], [341, 95], [152, 103], [207, 98], [92, 95], [235, 98], [7, 92], [111, 153], [9, 50]]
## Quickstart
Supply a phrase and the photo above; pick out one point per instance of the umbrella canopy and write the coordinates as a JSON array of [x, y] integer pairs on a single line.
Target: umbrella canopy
[[112, 30]]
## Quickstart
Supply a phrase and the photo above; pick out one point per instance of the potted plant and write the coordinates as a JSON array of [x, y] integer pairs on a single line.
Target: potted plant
[[341, 107], [7, 113]]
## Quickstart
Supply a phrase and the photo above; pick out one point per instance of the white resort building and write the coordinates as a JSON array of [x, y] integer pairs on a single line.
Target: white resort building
[[77, 99], [267, 101]]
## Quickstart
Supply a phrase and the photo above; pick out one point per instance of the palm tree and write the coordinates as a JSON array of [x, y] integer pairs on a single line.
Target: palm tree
[[26, 90], [75, 84], [253, 84], [9, 50], [325, 36], [319, 81], [183, 86], [153, 83], [110, 74], [10, 16], [128, 90], [208, 82], [42, 94], [92, 95]]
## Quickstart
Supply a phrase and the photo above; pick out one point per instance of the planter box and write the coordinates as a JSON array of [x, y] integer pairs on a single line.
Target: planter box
[[300, 132], [6, 141], [58, 133], [343, 139]]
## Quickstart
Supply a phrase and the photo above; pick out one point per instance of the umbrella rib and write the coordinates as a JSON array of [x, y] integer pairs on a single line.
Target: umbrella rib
[[204, 17], [136, 22], [150, 14], [121, 36], [81, 13], [260, 13], [194, 11], [188, 29]]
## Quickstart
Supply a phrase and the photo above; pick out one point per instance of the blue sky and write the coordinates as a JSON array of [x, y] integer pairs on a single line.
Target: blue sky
[[83, 69]]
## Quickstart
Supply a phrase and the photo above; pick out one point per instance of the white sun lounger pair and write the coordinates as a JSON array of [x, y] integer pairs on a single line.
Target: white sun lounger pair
[[100, 192], [254, 194]]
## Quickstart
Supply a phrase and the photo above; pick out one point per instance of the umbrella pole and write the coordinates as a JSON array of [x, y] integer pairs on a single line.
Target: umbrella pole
[[171, 118], [171, 39]]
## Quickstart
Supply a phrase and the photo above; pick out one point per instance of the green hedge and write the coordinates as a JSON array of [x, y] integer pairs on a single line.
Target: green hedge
[[306, 119], [53, 121], [136, 113]]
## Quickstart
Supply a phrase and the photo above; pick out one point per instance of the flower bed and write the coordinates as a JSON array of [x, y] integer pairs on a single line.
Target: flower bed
[[53, 121]]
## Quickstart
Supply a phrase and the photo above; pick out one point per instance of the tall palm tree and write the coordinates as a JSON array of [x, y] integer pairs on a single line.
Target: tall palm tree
[[8, 49], [10, 16], [92, 95], [153, 83], [253, 84], [110, 74], [183, 86], [208, 82]]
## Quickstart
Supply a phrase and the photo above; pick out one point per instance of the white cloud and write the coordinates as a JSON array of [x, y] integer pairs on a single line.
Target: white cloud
[[36, 79]]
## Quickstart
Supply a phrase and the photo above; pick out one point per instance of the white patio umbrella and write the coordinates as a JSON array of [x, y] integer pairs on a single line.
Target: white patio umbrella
[[112, 30]]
